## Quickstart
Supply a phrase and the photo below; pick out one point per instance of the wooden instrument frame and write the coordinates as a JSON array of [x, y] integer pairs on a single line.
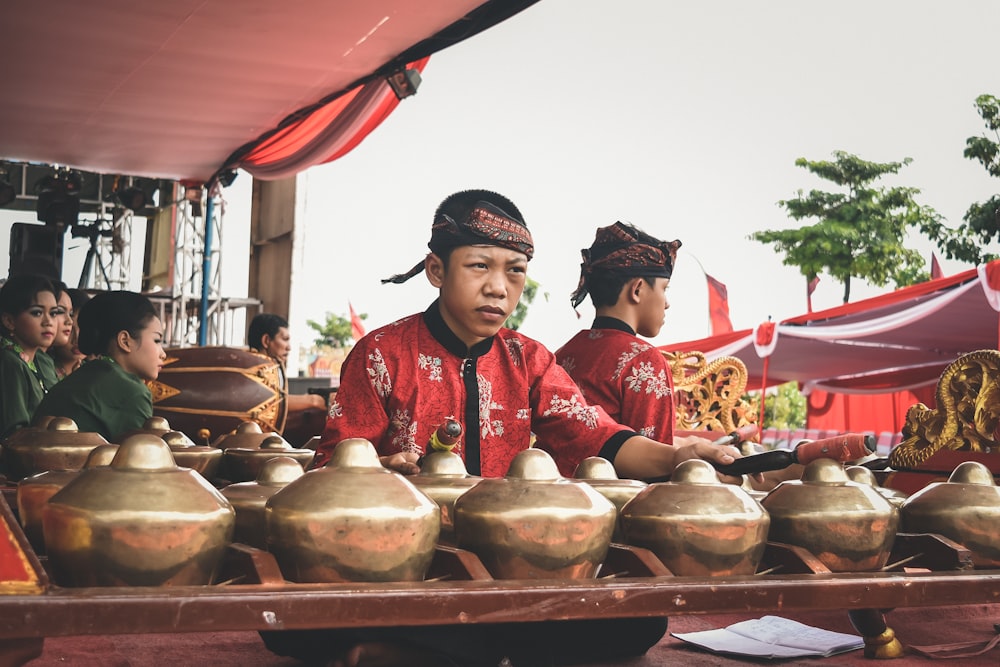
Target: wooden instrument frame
[[251, 594]]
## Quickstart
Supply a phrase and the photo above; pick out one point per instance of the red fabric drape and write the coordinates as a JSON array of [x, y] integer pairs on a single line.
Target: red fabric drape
[[935, 268], [16, 574], [329, 132], [993, 279], [357, 328], [810, 288], [864, 412], [718, 307]]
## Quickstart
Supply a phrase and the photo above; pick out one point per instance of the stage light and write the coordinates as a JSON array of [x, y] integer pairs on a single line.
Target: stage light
[[227, 177], [58, 198], [404, 82], [194, 194], [7, 191], [131, 198]]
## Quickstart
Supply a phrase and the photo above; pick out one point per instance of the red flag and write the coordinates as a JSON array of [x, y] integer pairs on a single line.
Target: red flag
[[357, 329], [718, 307], [935, 267], [810, 288]]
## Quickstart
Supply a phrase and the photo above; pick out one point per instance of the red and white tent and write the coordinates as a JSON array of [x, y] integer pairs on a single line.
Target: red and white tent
[[187, 89], [898, 341]]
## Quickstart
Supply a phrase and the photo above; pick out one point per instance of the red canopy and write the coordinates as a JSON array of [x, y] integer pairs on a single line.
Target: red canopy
[[188, 88], [901, 340]]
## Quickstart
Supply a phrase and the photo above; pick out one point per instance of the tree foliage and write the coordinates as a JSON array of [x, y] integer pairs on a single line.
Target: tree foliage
[[982, 220], [335, 331], [859, 232], [783, 408], [516, 318]]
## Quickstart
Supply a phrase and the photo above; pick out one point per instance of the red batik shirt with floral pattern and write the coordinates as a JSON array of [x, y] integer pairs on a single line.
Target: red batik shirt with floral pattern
[[623, 374], [403, 380]]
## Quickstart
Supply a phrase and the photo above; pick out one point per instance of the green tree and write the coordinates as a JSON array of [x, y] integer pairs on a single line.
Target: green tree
[[982, 220], [516, 318], [335, 331], [857, 233], [783, 408]]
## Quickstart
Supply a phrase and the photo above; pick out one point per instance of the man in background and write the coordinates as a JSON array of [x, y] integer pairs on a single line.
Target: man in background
[[305, 413]]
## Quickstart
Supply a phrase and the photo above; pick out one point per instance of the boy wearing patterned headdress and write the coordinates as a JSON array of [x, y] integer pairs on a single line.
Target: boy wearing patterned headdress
[[456, 359], [626, 272]]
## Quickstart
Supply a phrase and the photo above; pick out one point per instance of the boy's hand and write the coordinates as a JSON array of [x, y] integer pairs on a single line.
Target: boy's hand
[[402, 462], [693, 447]]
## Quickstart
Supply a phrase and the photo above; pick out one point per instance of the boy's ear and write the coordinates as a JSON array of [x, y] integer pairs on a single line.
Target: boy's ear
[[8, 321], [634, 289], [434, 268]]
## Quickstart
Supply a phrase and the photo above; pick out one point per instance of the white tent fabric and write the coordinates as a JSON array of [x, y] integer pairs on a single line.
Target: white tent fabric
[[900, 340]]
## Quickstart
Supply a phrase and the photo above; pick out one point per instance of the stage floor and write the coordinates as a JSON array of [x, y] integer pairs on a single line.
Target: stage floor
[[919, 626]]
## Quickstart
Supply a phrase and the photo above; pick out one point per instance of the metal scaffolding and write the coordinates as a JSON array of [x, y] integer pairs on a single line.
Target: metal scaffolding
[[193, 298], [185, 285]]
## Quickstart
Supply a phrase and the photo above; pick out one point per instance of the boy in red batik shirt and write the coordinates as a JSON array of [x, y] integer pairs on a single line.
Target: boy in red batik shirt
[[456, 359], [626, 272]]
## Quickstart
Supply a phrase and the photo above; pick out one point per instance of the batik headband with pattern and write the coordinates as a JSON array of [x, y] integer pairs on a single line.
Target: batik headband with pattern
[[486, 224], [628, 252]]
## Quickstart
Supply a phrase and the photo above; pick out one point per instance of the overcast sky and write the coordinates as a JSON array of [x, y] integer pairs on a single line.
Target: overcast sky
[[683, 118]]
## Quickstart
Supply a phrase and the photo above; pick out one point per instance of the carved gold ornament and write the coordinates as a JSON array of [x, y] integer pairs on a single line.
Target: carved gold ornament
[[967, 416], [709, 393]]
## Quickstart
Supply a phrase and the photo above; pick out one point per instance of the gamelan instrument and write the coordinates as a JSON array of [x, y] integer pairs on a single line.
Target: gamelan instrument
[[355, 541], [209, 391]]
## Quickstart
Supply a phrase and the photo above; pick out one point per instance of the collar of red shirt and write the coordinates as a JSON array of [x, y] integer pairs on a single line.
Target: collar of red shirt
[[439, 329]]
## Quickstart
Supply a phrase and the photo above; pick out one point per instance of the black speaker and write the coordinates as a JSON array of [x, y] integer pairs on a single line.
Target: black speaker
[[36, 249]]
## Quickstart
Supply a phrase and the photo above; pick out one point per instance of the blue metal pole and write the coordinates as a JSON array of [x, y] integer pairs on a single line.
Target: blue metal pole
[[206, 273]]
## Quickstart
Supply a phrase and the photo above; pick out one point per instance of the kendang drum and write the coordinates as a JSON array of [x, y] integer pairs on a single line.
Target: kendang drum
[[208, 391]]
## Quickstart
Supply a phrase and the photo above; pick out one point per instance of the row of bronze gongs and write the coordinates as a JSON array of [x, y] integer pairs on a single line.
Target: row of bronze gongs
[[696, 525]]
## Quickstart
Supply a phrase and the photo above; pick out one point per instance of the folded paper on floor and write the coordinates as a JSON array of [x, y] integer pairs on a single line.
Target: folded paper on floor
[[773, 637]]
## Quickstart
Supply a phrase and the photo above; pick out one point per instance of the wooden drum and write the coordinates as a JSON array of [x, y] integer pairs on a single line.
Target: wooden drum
[[207, 391]]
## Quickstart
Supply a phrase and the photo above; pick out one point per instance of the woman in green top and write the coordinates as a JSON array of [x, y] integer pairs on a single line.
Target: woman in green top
[[29, 314], [108, 394]]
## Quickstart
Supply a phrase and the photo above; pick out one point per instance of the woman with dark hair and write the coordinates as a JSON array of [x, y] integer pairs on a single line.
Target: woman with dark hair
[[30, 315], [108, 394], [65, 352]]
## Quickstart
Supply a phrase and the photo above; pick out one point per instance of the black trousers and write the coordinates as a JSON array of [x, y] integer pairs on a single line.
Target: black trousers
[[536, 644]]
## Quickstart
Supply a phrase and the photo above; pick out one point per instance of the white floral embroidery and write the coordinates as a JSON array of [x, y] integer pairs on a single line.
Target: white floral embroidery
[[426, 362], [336, 410], [662, 387], [523, 413], [378, 373], [569, 364], [587, 414], [649, 432], [635, 349], [404, 433], [594, 334], [644, 378], [487, 425], [516, 350]]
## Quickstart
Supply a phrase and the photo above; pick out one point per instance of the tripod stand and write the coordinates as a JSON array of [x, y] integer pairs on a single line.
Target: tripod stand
[[93, 233]]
